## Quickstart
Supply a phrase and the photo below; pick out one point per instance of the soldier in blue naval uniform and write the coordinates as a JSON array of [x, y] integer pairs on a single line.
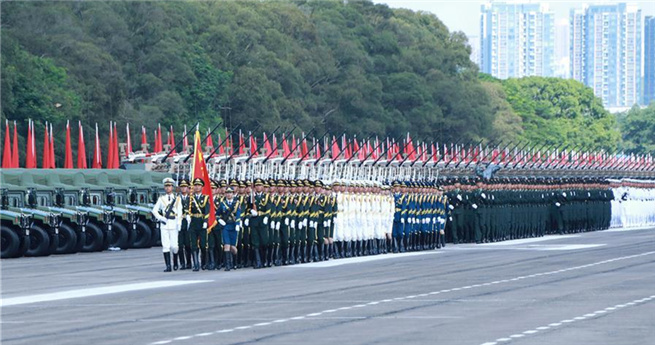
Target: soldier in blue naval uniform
[[398, 222], [229, 214]]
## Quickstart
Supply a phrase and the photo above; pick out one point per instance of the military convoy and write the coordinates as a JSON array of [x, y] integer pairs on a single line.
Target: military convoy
[[63, 211]]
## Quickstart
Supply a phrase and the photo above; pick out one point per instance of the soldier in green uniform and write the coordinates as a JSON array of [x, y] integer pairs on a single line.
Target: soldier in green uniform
[[199, 214]]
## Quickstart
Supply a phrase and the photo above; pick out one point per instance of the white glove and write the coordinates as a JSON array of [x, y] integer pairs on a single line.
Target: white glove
[[286, 221], [450, 219], [204, 225], [305, 222], [277, 226], [475, 207], [451, 207], [459, 197], [325, 224], [188, 218], [434, 219], [220, 221], [329, 222], [558, 204], [253, 213], [293, 223], [272, 225], [161, 219], [564, 195], [265, 220], [402, 220], [238, 228], [484, 196], [247, 222], [300, 225]]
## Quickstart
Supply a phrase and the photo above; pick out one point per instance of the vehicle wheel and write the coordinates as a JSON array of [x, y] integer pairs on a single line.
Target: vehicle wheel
[[54, 241], [10, 242], [119, 235], [67, 240], [155, 237], [81, 240], [93, 239], [39, 242], [143, 235]]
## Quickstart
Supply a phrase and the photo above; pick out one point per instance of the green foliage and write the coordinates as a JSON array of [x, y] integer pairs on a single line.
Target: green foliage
[[557, 111], [638, 130]]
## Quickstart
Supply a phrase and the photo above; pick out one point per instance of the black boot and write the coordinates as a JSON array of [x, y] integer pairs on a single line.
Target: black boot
[[175, 266], [321, 251], [277, 261], [228, 261], [187, 252], [315, 257], [211, 265], [258, 259], [203, 260], [196, 264], [438, 241], [167, 261], [181, 256]]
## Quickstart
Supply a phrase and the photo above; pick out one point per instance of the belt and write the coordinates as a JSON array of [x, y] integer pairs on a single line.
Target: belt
[[170, 217], [197, 215]]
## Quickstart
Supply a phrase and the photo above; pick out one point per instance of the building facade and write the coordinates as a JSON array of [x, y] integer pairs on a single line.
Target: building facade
[[649, 60]]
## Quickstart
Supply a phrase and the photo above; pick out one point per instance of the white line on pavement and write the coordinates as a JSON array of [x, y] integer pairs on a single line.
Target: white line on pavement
[[312, 316], [106, 290], [571, 320], [360, 259]]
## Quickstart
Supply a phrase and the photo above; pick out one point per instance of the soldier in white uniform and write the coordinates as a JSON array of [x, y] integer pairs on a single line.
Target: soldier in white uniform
[[168, 211]]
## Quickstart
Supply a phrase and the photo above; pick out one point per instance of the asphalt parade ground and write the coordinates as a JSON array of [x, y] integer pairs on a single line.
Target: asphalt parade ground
[[591, 288]]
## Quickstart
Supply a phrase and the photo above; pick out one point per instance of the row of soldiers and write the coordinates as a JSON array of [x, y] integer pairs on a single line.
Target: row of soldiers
[[501, 209], [634, 203], [262, 223]]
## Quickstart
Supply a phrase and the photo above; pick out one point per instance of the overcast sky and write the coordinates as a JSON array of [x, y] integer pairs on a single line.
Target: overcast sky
[[464, 15]]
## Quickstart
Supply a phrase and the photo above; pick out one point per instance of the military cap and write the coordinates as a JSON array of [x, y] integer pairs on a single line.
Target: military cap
[[229, 190], [242, 184], [281, 183], [222, 183], [336, 183], [259, 182], [318, 183], [271, 182], [214, 184], [184, 183], [198, 182], [234, 183], [168, 182]]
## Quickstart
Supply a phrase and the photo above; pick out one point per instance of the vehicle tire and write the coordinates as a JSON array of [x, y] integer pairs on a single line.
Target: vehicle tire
[[155, 237], [81, 240], [93, 239], [54, 241], [119, 235], [143, 235], [39, 242], [67, 240], [10, 242]]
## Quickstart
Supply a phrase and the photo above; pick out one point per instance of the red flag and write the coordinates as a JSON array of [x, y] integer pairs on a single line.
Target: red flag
[[267, 145], [209, 142], [285, 147], [110, 147], [116, 156], [30, 150], [6, 151], [221, 148], [81, 149], [200, 171], [158, 143], [242, 144], [253, 145], [53, 164], [172, 143], [275, 153], [144, 139], [303, 149], [14, 152], [68, 156], [318, 151], [129, 141], [45, 162], [186, 140], [97, 154], [335, 148], [409, 148]]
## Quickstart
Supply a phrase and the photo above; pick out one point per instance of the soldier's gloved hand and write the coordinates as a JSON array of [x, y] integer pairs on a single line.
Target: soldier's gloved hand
[[325, 224], [277, 226], [238, 228], [286, 221], [253, 213], [329, 222], [558, 204], [305, 222], [247, 222], [402, 220], [450, 219], [434, 219], [475, 207], [293, 224], [459, 197], [300, 225], [188, 218], [451, 207], [220, 221], [272, 225], [204, 225], [265, 220]]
